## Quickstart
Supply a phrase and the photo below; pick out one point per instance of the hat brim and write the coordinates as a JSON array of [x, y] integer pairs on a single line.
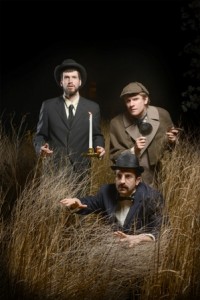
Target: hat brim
[[59, 69], [137, 169]]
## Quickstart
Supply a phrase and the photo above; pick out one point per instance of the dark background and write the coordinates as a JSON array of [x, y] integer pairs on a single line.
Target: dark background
[[130, 41]]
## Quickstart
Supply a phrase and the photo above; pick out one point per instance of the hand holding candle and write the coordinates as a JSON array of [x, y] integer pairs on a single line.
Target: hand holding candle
[[100, 151]]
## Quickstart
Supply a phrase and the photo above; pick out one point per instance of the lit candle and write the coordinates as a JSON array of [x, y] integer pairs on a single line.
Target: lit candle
[[90, 130]]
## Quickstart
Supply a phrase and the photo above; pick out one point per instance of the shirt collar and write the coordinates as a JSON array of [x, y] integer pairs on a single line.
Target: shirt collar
[[74, 102]]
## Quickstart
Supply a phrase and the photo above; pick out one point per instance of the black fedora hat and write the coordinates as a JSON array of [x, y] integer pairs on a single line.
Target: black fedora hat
[[127, 160], [68, 64]]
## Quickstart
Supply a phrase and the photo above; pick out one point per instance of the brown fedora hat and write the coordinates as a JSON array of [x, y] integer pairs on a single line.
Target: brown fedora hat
[[134, 88], [70, 64]]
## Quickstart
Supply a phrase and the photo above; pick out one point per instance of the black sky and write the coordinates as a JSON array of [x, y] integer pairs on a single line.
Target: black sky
[[137, 41]]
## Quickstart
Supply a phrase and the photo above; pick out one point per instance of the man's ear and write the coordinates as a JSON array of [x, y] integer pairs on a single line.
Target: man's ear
[[138, 180], [146, 100]]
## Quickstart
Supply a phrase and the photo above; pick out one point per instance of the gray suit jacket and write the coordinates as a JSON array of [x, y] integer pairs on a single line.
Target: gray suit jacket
[[54, 129]]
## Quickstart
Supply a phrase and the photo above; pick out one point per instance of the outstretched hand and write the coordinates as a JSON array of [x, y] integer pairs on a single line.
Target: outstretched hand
[[72, 203], [132, 240]]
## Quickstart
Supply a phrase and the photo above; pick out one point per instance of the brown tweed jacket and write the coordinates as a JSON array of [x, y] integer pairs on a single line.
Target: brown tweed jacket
[[123, 134]]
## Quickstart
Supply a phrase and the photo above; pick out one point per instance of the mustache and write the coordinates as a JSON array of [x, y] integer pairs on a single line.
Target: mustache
[[122, 186]]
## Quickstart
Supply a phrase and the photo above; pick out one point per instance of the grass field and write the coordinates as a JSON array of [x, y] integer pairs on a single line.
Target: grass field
[[49, 252]]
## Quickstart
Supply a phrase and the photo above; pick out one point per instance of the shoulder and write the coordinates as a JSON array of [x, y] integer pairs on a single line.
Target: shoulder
[[116, 119], [52, 101], [161, 111], [148, 191], [89, 103]]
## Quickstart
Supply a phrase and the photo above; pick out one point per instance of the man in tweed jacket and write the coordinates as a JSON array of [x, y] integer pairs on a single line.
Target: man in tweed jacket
[[142, 129]]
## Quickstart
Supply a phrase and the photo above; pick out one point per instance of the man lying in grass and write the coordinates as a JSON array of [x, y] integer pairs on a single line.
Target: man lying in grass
[[133, 208]]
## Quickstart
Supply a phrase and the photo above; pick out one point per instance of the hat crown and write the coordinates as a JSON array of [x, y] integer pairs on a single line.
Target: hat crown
[[68, 61], [134, 88], [127, 160]]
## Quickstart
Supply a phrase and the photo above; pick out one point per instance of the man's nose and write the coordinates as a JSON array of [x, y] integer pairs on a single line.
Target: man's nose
[[122, 179]]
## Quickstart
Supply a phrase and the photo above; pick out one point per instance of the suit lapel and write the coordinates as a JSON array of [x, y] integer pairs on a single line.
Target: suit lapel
[[130, 127], [82, 112], [133, 131], [79, 110], [60, 107]]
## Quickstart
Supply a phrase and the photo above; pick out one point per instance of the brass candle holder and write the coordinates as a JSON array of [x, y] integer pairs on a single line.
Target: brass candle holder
[[91, 153]]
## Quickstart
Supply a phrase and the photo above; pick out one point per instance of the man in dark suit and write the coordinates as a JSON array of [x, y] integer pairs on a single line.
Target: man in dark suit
[[63, 128], [133, 208]]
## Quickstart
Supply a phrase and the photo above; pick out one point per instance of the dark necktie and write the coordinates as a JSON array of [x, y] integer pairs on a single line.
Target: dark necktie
[[70, 116]]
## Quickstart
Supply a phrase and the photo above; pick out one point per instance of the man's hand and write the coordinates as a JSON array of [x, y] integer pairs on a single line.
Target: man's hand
[[173, 134], [132, 240], [45, 151], [139, 144], [101, 151], [73, 203]]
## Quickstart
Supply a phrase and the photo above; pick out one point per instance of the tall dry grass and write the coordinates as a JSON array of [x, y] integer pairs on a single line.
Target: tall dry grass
[[179, 274], [50, 252]]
